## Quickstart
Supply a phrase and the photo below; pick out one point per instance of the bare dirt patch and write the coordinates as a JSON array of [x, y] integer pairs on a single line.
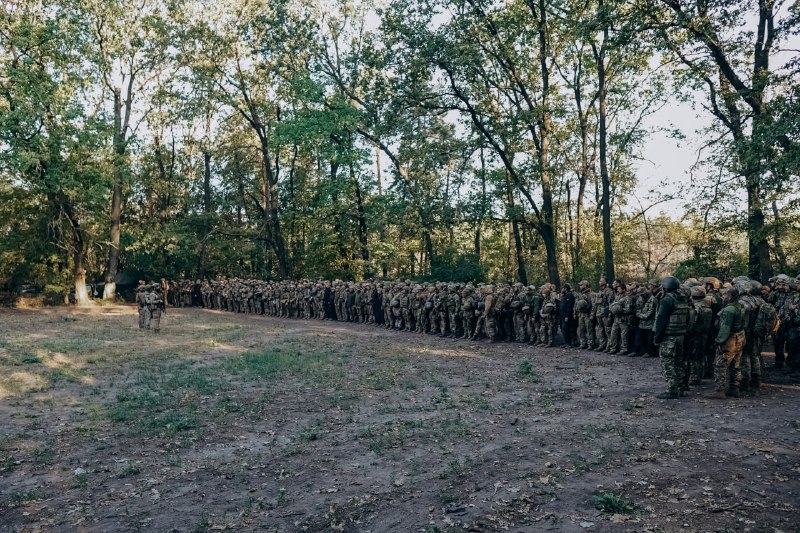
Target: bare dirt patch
[[250, 423]]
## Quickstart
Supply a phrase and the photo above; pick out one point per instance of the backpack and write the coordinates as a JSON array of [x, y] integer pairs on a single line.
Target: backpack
[[767, 321]]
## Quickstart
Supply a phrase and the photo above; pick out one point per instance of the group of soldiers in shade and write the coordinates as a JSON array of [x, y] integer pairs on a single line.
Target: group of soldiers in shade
[[151, 304], [701, 328]]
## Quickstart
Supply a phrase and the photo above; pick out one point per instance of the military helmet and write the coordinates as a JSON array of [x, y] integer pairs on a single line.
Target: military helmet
[[732, 291], [670, 283], [714, 282], [698, 292]]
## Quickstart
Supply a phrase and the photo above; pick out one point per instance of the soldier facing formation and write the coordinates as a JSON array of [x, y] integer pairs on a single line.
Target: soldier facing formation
[[700, 329], [151, 302]]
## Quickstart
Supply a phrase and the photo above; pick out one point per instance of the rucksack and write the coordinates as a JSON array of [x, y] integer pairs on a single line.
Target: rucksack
[[767, 320]]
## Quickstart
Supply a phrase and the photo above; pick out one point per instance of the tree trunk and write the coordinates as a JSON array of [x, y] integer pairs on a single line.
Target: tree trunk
[[272, 214], [61, 203], [780, 254], [608, 250], [546, 223], [522, 275], [362, 219], [206, 182], [110, 288], [759, 263]]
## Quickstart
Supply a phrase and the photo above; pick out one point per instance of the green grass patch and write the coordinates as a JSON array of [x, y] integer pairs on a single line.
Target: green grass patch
[[614, 502], [20, 497], [128, 470], [526, 371]]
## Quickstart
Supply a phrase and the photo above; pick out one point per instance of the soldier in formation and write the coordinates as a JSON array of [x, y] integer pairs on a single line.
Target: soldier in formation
[[695, 327]]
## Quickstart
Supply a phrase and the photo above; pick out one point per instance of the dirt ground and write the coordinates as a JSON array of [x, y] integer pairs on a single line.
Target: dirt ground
[[247, 423]]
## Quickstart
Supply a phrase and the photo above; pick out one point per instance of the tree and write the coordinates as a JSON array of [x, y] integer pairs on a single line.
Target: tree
[[738, 74]]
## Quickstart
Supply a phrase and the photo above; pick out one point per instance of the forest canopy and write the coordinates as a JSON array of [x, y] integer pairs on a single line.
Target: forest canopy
[[429, 139]]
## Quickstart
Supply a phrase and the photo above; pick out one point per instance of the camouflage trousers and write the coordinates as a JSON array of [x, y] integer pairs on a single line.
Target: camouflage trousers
[[468, 323], [751, 361], [455, 324], [602, 332], [585, 331], [695, 357], [490, 327], [673, 362], [419, 320], [547, 328], [407, 321], [520, 331], [144, 317], [533, 330], [155, 319], [480, 327], [727, 363], [620, 335]]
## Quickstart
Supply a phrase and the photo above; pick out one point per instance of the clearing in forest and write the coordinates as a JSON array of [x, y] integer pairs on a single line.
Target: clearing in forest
[[244, 423]]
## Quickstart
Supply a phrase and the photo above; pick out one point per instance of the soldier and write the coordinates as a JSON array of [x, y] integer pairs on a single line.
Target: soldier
[[622, 310], [730, 343], [792, 316], [535, 321], [454, 311], [468, 308], [583, 316], [697, 337], [485, 303], [781, 301], [548, 316], [521, 309], [751, 370], [141, 301], [567, 314], [645, 310], [672, 323], [601, 315], [155, 306]]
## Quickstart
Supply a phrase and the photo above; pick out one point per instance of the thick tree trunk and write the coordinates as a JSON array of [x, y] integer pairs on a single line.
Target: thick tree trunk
[[759, 263], [271, 212], [546, 223], [112, 266], [61, 203], [110, 275]]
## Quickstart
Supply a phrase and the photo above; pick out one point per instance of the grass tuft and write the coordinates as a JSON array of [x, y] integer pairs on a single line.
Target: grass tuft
[[614, 502]]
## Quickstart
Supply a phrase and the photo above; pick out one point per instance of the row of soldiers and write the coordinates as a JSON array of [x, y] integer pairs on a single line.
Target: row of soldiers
[[616, 318], [151, 305]]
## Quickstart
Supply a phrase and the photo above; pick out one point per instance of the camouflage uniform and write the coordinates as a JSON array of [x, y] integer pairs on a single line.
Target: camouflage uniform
[[672, 323], [622, 310], [730, 343], [583, 314], [697, 338]]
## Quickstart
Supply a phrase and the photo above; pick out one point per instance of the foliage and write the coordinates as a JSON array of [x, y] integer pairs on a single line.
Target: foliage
[[272, 141]]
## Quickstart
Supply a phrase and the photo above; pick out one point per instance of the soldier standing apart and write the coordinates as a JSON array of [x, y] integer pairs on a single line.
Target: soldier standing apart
[[730, 344], [141, 302], [672, 323], [155, 305]]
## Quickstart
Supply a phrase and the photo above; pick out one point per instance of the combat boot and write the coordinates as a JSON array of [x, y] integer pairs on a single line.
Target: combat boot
[[716, 395], [669, 395], [733, 392]]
